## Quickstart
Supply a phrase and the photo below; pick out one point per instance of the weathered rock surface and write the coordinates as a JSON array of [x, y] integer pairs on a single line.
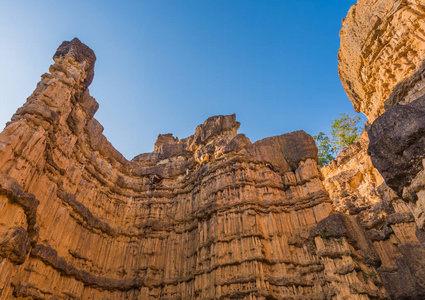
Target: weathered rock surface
[[358, 190], [211, 216], [352, 182], [397, 144], [382, 43], [382, 70], [214, 216], [397, 151]]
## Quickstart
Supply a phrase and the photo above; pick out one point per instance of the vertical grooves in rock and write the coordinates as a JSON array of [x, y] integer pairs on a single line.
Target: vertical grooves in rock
[[211, 216]]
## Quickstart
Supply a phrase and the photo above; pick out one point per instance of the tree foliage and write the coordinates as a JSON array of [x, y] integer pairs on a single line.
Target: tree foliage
[[325, 148], [345, 131]]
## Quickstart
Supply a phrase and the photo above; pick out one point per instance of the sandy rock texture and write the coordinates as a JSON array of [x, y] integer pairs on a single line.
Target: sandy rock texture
[[397, 151], [358, 190], [211, 216], [382, 43], [379, 179], [351, 179]]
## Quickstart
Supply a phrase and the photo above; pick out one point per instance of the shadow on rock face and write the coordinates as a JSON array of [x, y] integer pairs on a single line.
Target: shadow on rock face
[[397, 143]]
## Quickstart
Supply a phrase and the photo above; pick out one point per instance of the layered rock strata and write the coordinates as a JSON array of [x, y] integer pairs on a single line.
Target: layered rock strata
[[397, 150], [352, 181], [381, 68], [357, 189], [211, 216]]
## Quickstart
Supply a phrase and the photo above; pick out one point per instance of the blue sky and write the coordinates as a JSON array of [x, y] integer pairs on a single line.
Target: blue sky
[[166, 66]]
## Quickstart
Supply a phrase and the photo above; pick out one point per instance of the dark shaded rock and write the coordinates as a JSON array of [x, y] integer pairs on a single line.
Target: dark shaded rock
[[399, 285], [375, 235], [10, 186], [420, 235], [341, 225], [332, 226], [397, 143], [415, 259], [82, 53], [400, 218], [408, 282], [89, 104], [15, 245]]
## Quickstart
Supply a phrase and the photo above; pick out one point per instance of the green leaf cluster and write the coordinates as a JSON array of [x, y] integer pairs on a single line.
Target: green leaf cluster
[[345, 131], [325, 148]]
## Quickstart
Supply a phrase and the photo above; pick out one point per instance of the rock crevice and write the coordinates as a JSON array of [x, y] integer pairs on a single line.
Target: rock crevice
[[211, 216]]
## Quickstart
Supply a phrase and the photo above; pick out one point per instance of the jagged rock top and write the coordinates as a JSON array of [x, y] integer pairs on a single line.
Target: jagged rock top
[[216, 138], [211, 216], [82, 53], [198, 218]]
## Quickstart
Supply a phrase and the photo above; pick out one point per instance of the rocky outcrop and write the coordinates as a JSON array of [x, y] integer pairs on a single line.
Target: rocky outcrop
[[382, 70], [358, 191], [397, 143], [382, 43], [214, 216], [352, 182], [382, 67], [211, 216], [397, 151]]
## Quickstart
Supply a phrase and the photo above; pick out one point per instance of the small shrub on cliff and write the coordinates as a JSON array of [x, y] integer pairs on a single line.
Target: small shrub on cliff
[[345, 131], [325, 148]]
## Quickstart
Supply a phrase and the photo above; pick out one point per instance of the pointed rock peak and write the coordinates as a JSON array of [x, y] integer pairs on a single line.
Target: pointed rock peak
[[224, 123], [215, 126], [82, 53], [165, 139]]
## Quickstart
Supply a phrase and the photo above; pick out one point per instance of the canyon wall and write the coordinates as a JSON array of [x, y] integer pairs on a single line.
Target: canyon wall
[[211, 216], [382, 43], [356, 188], [379, 179], [214, 216]]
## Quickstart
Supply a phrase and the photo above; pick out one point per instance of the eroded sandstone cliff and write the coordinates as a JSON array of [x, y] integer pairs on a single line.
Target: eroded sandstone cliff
[[211, 216], [356, 188], [214, 216], [382, 43], [381, 68]]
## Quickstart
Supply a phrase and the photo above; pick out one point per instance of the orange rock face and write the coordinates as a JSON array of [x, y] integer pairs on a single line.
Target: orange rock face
[[356, 188], [212, 216], [382, 43], [382, 70]]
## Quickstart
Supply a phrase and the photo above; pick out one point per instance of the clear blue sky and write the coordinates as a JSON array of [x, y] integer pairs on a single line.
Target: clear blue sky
[[166, 66]]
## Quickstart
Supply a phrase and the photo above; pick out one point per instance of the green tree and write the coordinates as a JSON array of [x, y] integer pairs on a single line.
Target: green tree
[[344, 131], [325, 148]]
